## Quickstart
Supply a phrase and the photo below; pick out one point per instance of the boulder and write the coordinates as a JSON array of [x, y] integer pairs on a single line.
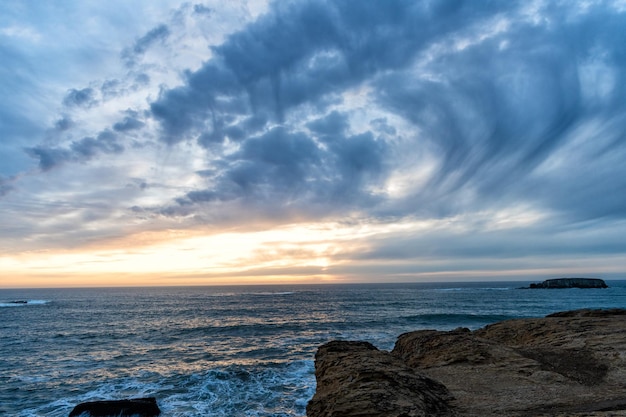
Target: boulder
[[566, 364], [143, 407]]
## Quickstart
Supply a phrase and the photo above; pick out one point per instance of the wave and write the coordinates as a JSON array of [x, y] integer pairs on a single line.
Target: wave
[[21, 303], [265, 293], [240, 294], [266, 389], [468, 289]]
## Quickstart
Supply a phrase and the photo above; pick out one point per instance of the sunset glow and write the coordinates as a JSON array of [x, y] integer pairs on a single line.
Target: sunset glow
[[253, 142]]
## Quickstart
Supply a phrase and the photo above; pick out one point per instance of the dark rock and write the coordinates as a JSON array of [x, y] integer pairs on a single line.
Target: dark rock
[[566, 364], [143, 407], [570, 283], [356, 379], [576, 364], [588, 312]]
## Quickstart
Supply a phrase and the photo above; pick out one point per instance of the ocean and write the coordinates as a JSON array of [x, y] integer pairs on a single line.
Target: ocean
[[228, 351]]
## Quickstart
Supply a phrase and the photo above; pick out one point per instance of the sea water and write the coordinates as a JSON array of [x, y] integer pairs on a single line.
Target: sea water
[[227, 351]]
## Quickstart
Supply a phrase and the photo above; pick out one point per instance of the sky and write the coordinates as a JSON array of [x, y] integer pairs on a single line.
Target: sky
[[162, 142]]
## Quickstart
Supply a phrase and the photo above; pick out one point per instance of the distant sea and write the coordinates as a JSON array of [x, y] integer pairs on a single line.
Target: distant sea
[[228, 351]]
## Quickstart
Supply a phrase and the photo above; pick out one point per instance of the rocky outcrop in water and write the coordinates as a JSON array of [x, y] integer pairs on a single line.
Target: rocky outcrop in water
[[143, 407], [571, 283], [566, 364]]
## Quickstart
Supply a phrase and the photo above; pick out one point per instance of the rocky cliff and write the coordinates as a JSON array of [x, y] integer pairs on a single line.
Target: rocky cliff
[[566, 364]]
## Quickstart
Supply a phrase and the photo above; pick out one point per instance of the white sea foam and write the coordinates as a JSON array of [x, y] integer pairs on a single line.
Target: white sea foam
[[120, 389], [277, 390], [280, 390], [37, 302], [22, 303], [273, 293]]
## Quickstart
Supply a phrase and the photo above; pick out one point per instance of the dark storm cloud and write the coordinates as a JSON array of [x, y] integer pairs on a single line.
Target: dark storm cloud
[[192, 107], [299, 53], [275, 156], [496, 96], [281, 167]]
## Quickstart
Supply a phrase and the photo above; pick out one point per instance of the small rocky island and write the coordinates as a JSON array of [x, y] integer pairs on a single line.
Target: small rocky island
[[571, 283], [566, 364]]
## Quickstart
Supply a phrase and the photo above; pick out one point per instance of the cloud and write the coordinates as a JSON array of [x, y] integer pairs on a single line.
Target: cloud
[[491, 91], [159, 34], [302, 54], [49, 157], [202, 9], [387, 113], [63, 124], [85, 97], [21, 106], [296, 54], [5, 187], [329, 126], [294, 171], [106, 142], [130, 122], [80, 151], [496, 113]]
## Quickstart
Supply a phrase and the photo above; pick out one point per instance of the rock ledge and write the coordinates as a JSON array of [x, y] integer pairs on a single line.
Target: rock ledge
[[566, 364]]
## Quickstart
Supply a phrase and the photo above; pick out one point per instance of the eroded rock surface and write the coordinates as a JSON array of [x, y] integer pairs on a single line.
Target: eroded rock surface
[[356, 379], [566, 364]]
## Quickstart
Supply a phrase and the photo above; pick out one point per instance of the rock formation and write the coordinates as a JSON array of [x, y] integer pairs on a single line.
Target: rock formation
[[566, 364], [143, 407], [356, 379], [571, 283]]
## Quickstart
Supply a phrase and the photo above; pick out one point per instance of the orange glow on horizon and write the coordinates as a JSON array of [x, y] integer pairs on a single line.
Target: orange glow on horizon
[[329, 252]]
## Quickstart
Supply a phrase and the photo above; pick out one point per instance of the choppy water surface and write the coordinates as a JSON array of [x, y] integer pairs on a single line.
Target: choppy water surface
[[227, 351]]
